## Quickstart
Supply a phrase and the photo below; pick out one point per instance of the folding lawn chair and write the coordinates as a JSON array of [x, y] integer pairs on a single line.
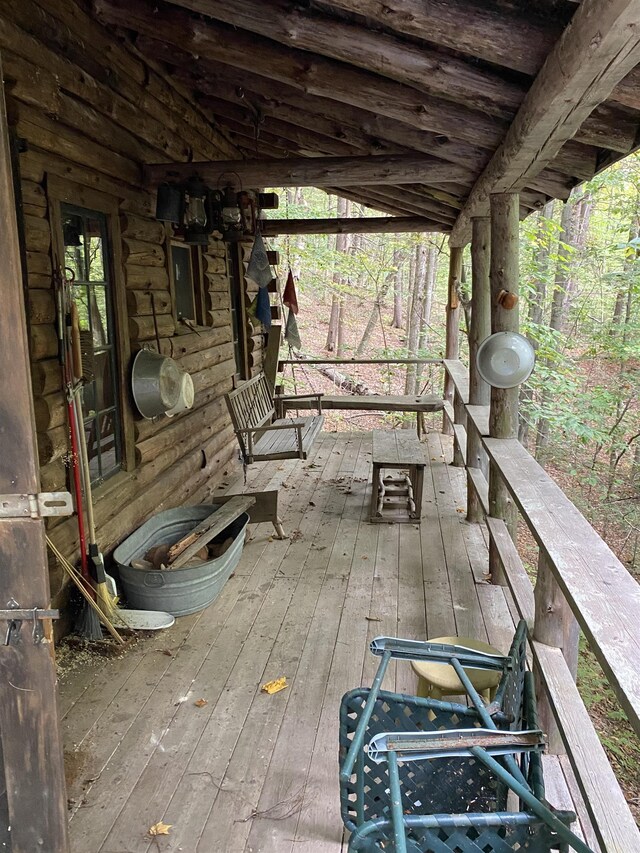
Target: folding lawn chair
[[400, 794]]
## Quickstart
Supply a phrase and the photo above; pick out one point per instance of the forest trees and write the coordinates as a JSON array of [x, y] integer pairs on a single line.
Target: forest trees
[[383, 295]]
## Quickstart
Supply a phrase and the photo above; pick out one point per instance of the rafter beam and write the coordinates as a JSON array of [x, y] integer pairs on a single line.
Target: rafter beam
[[313, 171], [493, 32], [369, 129], [598, 48], [371, 225], [426, 69], [309, 73]]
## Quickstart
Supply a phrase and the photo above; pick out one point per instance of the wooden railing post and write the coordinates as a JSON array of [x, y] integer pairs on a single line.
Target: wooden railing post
[[554, 625], [453, 320], [459, 417], [480, 328], [503, 418]]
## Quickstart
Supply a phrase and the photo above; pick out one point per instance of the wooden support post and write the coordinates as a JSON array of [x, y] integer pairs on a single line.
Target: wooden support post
[[459, 417], [270, 361], [31, 743], [480, 328], [453, 319], [503, 417], [554, 625]]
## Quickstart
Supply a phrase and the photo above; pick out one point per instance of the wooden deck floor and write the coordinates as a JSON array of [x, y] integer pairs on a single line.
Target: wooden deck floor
[[249, 771]]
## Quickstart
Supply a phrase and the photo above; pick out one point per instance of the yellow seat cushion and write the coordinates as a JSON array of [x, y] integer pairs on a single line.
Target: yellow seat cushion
[[440, 679]]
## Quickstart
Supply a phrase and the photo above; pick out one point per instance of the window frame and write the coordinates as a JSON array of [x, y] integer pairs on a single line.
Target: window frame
[[197, 280], [238, 305], [61, 191]]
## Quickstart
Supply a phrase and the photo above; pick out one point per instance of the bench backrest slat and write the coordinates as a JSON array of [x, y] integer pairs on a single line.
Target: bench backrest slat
[[250, 406]]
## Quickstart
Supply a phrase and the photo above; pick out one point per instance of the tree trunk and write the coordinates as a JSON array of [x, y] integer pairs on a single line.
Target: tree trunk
[[397, 322], [536, 307], [340, 338], [562, 276], [561, 284], [335, 334], [541, 267], [427, 302], [579, 230], [332, 333], [415, 314], [374, 316]]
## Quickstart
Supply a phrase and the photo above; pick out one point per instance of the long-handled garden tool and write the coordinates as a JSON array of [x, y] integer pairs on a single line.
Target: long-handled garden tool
[[88, 622], [104, 597]]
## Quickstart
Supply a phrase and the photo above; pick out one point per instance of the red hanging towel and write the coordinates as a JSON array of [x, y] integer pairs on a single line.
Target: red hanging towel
[[289, 296]]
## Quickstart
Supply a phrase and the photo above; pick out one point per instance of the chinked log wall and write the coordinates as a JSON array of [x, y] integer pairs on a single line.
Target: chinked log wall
[[92, 112]]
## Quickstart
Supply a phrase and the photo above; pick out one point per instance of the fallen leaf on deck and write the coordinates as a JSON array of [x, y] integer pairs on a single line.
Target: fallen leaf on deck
[[200, 703], [275, 686], [159, 828], [373, 619]]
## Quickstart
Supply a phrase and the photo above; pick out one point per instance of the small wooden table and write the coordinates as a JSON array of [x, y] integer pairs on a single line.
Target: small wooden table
[[401, 497]]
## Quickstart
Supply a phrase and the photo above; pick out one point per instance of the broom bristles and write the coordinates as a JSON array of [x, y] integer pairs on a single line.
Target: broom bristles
[[105, 601], [86, 589], [88, 622]]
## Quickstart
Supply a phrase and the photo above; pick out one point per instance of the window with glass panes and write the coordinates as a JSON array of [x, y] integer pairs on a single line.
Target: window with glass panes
[[86, 258]]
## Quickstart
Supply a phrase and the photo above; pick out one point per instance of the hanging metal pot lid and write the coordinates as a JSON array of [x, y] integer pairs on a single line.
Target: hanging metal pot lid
[[186, 397], [156, 382], [505, 359]]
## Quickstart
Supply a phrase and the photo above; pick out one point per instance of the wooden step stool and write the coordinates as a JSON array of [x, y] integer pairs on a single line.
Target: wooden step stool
[[397, 499]]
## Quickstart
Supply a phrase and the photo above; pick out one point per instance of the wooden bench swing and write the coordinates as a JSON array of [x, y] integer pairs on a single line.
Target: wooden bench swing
[[263, 436]]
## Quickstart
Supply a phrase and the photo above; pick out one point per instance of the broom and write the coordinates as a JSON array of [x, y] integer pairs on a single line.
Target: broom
[[87, 592], [87, 623], [104, 598]]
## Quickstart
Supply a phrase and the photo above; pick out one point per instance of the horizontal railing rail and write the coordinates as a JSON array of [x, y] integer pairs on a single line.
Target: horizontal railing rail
[[580, 582], [283, 361]]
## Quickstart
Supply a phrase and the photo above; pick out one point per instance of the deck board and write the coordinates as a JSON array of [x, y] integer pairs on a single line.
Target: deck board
[[249, 771]]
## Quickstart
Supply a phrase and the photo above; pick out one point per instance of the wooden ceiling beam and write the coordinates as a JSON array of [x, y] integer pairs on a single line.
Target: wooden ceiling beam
[[492, 32], [381, 133], [598, 48], [379, 195], [365, 225], [308, 73], [294, 140], [313, 171], [422, 67], [273, 118], [359, 196]]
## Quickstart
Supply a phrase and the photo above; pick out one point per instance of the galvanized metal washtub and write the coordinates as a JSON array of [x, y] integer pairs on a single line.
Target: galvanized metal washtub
[[177, 591]]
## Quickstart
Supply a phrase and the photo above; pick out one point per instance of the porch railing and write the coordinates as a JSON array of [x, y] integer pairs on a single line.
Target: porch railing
[[580, 586]]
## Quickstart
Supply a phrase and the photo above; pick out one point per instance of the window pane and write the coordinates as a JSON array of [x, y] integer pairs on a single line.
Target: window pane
[[100, 316], [93, 449], [86, 250], [95, 249], [183, 281], [73, 236], [80, 295], [103, 382]]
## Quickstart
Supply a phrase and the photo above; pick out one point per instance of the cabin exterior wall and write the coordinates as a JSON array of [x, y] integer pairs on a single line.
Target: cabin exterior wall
[[87, 112]]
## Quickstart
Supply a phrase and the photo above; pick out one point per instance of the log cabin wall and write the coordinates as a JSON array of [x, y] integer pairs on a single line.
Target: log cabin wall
[[88, 111]]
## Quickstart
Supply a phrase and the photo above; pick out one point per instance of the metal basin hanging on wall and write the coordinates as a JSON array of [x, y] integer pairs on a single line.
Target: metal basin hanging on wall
[[156, 382]]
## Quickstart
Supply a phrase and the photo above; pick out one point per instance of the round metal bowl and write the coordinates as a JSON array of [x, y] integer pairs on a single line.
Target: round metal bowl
[[186, 397], [156, 381], [505, 359]]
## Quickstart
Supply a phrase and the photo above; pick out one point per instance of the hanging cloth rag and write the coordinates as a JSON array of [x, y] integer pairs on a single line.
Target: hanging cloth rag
[[289, 295], [291, 333], [259, 269], [263, 307]]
